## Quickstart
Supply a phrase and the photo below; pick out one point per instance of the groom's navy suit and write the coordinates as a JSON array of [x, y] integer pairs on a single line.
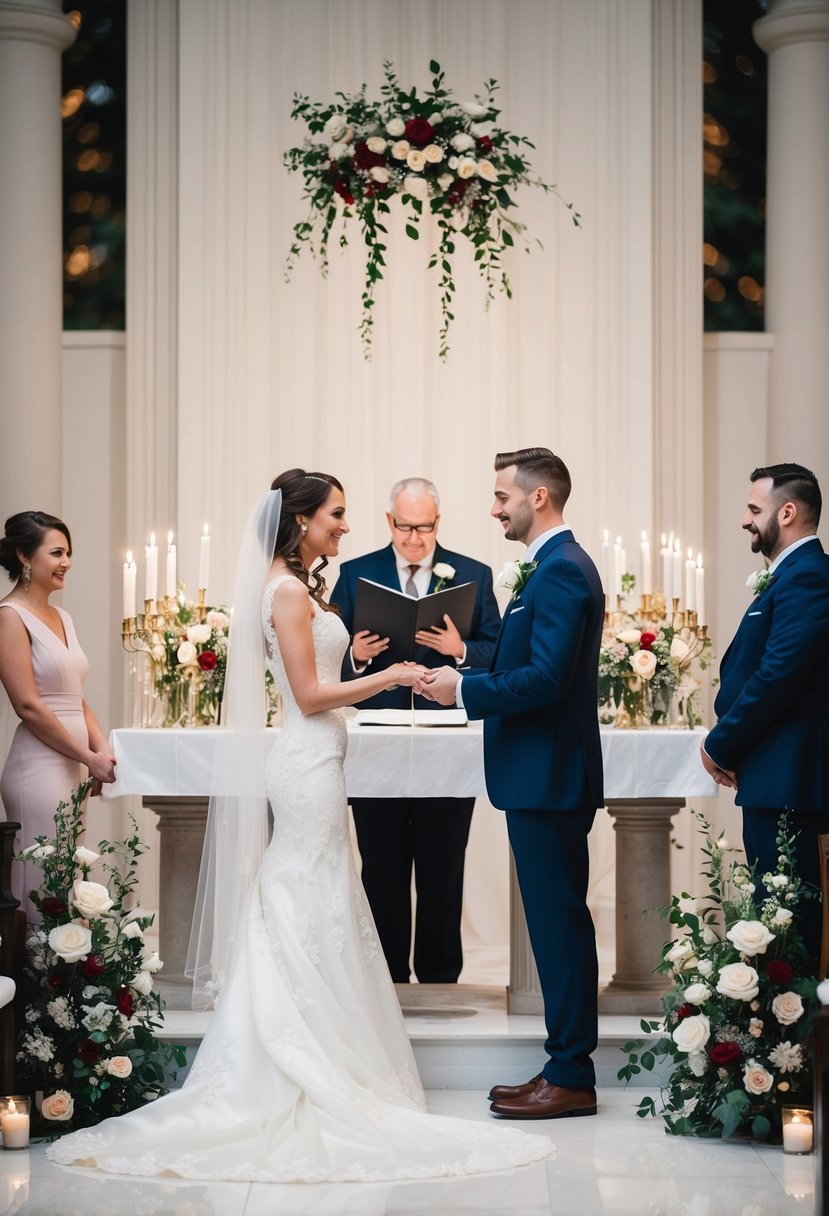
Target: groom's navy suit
[[429, 834], [543, 761], [772, 723]]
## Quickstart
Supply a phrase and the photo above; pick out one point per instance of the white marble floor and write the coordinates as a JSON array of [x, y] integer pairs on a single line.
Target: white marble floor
[[613, 1165]]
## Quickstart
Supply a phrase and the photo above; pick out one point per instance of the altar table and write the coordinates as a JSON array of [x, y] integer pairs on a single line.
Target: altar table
[[648, 776]]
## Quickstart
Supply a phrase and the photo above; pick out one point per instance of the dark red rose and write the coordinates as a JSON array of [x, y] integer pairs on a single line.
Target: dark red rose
[[723, 1054], [374, 188], [341, 188], [125, 1003], [485, 143], [686, 1011], [779, 971], [456, 192], [53, 907], [208, 660], [419, 131], [91, 967], [646, 641], [89, 1051], [56, 981], [365, 159]]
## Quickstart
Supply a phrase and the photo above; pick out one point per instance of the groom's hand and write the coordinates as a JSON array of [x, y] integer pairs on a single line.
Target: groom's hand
[[440, 684], [722, 776], [445, 641]]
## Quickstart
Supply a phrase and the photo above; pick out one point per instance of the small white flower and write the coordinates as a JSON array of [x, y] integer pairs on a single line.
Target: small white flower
[[395, 127], [132, 929], [151, 962], [697, 1062], [709, 936], [787, 1007], [755, 1027], [680, 951], [687, 903], [401, 149], [705, 967], [444, 570], [85, 857], [782, 917], [60, 1013], [435, 118], [143, 983], [376, 143], [97, 1017], [466, 168], [462, 142], [433, 153], [787, 1057], [453, 163], [697, 994], [38, 852], [445, 180], [474, 109], [629, 636]]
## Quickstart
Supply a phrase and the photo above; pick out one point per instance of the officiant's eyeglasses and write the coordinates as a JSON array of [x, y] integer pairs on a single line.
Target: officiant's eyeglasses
[[422, 529]]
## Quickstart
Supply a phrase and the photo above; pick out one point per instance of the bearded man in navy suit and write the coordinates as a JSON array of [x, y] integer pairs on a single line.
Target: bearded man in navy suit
[[543, 761], [771, 741], [427, 835]]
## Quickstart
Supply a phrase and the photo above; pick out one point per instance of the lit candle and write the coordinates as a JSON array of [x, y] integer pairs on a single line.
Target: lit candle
[[607, 573], [666, 569], [171, 585], [14, 1125], [797, 1135], [129, 585], [646, 565], [676, 571], [690, 582], [700, 592], [204, 559], [151, 554]]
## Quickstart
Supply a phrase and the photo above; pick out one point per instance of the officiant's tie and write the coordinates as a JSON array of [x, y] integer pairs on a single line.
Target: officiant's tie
[[410, 587]]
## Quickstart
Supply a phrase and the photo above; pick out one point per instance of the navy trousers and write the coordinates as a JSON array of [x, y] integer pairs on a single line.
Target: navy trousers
[[552, 864]]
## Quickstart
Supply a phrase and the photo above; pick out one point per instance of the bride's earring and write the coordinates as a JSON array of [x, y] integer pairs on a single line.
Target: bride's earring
[[304, 527], [27, 576]]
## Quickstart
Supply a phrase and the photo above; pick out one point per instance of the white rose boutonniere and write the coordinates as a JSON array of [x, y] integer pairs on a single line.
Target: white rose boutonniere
[[515, 576], [758, 580], [445, 573]]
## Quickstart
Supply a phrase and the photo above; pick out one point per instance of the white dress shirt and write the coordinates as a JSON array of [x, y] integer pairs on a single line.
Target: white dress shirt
[[781, 557]]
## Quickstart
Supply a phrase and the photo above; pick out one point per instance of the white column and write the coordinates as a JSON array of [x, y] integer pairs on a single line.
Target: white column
[[795, 34], [32, 36]]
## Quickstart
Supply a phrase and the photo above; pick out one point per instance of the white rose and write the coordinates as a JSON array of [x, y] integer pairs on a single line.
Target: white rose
[[338, 151], [199, 634], [462, 142], [738, 981], [697, 1062], [679, 649], [435, 118], [474, 109], [37, 852], [186, 654], [132, 929], [142, 983], [445, 180], [418, 187], [787, 1007], [679, 951], [705, 967], [629, 636], [783, 916], [401, 149], [487, 171], [508, 575], [643, 663], [71, 941], [688, 904], [59, 1106], [151, 962], [217, 620], [692, 1033], [119, 1066], [750, 936], [690, 964], [416, 160], [376, 143], [85, 857], [158, 652], [336, 127], [444, 570], [756, 1079], [379, 173], [433, 153], [466, 168], [453, 162], [90, 898], [697, 994], [395, 127], [751, 581], [709, 936]]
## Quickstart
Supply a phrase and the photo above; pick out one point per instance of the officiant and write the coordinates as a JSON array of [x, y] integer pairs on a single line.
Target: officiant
[[427, 835]]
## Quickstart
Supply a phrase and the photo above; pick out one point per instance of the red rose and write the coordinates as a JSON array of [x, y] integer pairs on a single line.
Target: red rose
[[779, 972], [125, 1003], [456, 193], [419, 131], [92, 967], [485, 143], [341, 188], [208, 660], [364, 159], [685, 1011], [646, 641], [723, 1054], [55, 981], [52, 907], [89, 1051]]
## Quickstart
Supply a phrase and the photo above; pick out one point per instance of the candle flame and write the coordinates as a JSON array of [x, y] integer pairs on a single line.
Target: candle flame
[[699, 561], [606, 535], [169, 537], [644, 536], [206, 531], [129, 557], [12, 1107], [152, 540]]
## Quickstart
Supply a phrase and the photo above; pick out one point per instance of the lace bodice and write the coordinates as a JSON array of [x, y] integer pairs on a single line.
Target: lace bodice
[[330, 643]]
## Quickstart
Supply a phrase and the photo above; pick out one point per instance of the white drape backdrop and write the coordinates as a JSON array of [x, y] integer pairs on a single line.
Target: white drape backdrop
[[234, 374]]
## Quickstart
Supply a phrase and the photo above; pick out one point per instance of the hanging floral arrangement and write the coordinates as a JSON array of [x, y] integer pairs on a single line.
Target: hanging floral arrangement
[[431, 151]]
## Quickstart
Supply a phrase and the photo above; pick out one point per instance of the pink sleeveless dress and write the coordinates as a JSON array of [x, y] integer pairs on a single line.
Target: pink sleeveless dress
[[36, 777]]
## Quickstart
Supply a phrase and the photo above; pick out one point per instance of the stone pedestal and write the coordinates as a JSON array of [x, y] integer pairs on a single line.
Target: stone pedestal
[[181, 825]]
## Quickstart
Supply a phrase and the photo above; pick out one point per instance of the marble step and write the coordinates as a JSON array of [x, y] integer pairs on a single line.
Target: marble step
[[463, 1038]]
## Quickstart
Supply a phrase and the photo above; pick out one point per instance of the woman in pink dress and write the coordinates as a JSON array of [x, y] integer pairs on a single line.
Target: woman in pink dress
[[42, 668]]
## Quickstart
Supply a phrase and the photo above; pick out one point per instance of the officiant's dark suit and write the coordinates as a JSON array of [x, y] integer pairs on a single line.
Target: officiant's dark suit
[[772, 728], [429, 835]]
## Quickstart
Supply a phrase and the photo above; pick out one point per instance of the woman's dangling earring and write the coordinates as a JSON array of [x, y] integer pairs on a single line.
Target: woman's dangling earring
[[27, 576], [304, 527]]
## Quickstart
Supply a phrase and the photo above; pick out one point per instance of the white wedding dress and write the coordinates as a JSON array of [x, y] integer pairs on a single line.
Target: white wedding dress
[[306, 1073]]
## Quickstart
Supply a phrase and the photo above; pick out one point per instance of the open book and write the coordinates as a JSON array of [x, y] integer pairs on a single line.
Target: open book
[[399, 617]]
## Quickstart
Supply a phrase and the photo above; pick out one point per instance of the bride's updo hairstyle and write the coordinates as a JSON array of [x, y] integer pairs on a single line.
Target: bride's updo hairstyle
[[302, 494], [25, 531]]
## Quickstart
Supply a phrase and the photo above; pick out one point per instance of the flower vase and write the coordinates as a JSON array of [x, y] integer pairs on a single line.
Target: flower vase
[[175, 704], [679, 712], [633, 713]]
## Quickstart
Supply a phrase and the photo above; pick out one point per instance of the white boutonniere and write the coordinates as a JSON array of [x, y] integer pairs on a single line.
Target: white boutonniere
[[758, 580], [445, 573], [515, 575]]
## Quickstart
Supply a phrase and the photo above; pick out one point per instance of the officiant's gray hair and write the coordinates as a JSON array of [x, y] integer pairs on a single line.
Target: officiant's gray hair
[[416, 487]]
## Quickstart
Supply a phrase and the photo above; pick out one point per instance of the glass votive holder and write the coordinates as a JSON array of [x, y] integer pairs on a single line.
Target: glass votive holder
[[14, 1121], [798, 1133]]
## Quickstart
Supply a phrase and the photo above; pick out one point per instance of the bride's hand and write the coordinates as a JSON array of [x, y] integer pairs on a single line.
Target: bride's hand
[[406, 674]]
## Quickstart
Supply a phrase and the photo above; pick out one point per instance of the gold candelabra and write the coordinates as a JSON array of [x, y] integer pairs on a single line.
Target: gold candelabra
[[142, 637]]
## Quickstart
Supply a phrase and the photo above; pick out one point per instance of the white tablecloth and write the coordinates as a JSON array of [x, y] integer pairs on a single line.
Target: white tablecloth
[[389, 762]]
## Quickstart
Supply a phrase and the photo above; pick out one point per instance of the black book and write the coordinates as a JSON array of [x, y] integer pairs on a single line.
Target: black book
[[399, 617]]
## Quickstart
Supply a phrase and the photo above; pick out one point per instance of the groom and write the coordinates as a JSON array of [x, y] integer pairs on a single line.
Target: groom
[[543, 762]]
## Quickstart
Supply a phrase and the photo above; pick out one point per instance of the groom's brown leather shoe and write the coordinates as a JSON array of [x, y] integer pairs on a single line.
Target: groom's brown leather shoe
[[546, 1101], [513, 1091]]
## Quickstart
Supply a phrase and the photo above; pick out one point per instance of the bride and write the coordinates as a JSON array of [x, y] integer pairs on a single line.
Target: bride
[[305, 1073]]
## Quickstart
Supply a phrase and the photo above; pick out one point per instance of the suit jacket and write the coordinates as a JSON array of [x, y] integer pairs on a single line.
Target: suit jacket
[[381, 567], [773, 725], [542, 749]]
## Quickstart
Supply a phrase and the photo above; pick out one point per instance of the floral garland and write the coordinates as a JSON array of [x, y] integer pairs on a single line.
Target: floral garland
[[737, 1019], [427, 149], [89, 1040]]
